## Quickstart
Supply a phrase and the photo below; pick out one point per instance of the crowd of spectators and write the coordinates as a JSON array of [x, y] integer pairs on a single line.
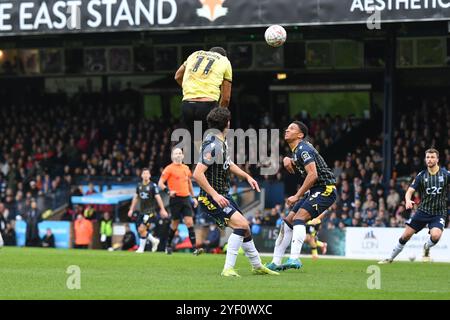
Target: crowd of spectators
[[363, 198], [45, 147]]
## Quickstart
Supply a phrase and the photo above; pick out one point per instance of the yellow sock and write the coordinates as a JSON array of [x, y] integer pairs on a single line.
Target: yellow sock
[[314, 251]]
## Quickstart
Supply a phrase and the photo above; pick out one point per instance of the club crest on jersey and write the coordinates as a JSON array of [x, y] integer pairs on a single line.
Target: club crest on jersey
[[441, 178], [305, 156], [212, 9], [144, 195]]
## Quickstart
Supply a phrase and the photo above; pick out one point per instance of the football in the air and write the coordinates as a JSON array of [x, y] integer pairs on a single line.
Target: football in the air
[[275, 36]]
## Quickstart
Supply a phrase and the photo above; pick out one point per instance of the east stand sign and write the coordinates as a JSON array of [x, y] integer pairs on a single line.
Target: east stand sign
[[19, 17]]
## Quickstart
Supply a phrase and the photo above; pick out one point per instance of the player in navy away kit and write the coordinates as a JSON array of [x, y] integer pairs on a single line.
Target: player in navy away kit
[[147, 193], [212, 174], [432, 185], [317, 194]]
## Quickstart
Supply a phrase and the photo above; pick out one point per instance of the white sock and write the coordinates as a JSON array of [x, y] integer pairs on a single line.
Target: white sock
[[298, 237], [398, 248], [1, 240], [252, 254], [430, 244], [142, 243], [151, 237], [283, 241], [234, 243]]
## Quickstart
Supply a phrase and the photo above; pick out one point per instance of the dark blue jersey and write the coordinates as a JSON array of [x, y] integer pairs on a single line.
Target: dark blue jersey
[[215, 156], [303, 155], [433, 189], [146, 194]]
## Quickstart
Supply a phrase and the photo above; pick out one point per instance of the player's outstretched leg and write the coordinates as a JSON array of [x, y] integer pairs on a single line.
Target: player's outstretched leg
[[283, 241], [314, 253], [172, 229], [298, 237], [323, 246], [435, 236], [407, 234], [190, 225], [241, 237], [234, 243], [155, 241], [142, 243], [395, 252], [143, 233], [253, 255]]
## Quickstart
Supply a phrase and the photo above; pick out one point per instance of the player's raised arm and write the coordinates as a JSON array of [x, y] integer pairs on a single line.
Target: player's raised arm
[[200, 178], [180, 74], [225, 94], [311, 178], [241, 173]]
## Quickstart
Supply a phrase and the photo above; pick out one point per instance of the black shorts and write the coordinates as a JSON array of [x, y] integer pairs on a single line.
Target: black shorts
[[181, 207], [146, 219], [422, 219], [318, 200], [220, 215], [196, 111]]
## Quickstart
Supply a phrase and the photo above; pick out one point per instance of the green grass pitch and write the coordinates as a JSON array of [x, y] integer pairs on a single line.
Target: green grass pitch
[[41, 274]]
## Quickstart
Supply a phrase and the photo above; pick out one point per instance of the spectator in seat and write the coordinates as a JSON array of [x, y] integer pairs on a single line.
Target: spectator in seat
[[271, 219], [379, 223], [129, 239], [212, 239], [48, 240], [91, 189], [393, 199]]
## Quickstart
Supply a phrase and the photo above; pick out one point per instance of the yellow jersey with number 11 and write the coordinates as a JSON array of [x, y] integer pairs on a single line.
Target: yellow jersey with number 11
[[204, 74]]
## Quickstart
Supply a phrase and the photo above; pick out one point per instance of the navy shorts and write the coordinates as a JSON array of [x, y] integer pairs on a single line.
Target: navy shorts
[[421, 219], [146, 219], [220, 215], [318, 200]]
